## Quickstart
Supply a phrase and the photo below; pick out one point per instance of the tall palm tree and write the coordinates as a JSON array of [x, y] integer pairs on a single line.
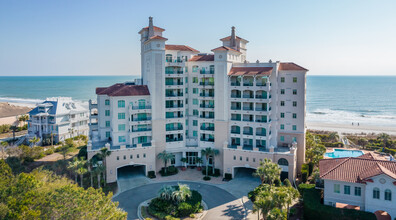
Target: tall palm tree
[[99, 169], [23, 118], [90, 164], [4, 144], [165, 156], [14, 129], [268, 171], [73, 166], [34, 141], [81, 169], [207, 152], [215, 152], [182, 193], [166, 192], [103, 154]]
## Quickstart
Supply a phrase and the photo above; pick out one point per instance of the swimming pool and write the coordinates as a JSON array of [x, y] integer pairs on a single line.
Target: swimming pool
[[337, 153]]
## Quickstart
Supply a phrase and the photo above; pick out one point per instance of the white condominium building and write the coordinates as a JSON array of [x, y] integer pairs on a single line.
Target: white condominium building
[[187, 101], [61, 116]]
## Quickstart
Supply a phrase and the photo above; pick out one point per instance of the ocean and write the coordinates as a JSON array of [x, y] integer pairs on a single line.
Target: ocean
[[368, 100]]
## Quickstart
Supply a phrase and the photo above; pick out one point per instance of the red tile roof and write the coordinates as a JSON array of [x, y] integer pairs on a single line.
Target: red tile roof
[[155, 29], [122, 89], [224, 48], [156, 37], [355, 169], [180, 47], [250, 71], [291, 66], [229, 38], [209, 57]]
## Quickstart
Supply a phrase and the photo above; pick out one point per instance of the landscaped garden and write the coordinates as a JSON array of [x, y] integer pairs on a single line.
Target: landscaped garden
[[174, 202]]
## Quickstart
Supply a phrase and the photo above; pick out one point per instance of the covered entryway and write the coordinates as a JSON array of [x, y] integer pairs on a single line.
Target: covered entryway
[[284, 165], [131, 176], [244, 172]]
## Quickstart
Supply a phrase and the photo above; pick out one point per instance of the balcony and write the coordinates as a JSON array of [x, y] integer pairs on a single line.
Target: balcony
[[174, 139], [261, 109], [141, 107], [248, 108], [235, 84], [261, 97], [206, 95], [235, 96], [235, 131], [206, 106], [174, 116], [174, 95], [248, 133], [174, 72], [141, 129], [206, 83], [207, 139], [248, 120], [179, 128], [174, 106], [261, 120], [207, 128], [141, 119], [173, 83], [261, 134], [207, 116], [235, 107], [248, 84], [248, 96]]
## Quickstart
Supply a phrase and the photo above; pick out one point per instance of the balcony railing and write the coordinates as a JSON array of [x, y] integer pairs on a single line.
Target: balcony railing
[[206, 83], [174, 83], [174, 116], [261, 134], [174, 95], [206, 95], [206, 106], [174, 72], [141, 129], [173, 139], [235, 96], [248, 108], [142, 119], [248, 96], [261, 84], [235, 83], [235, 131], [207, 128], [174, 106], [235, 107], [141, 107], [235, 119], [261, 97], [248, 133], [207, 139], [248, 84], [261, 109], [260, 120], [179, 128], [248, 120], [209, 117]]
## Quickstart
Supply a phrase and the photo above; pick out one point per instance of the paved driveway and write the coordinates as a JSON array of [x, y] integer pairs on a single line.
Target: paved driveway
[[221, 204]]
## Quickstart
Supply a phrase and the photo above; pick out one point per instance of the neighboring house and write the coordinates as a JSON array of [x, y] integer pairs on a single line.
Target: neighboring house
[[360, 181], [187, 101], [61, 116]]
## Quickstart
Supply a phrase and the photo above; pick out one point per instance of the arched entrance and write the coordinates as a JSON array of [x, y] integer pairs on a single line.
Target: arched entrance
[[244, 172], [382, 215], [128, 171], [284, 165]]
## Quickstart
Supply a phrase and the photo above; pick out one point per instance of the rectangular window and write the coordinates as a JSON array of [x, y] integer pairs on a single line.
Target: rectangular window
[[186, 77], [358, 191], [195, 69], [107, 112], [294, 139], [294, 79], [195, 133], [195, 101], [195, 79], [195, 122], [294, 91], [347, 190], [124, 157], [186, 90], [107, 102], [282, 103], [294, 104], [240, 158], [107, 134], [131, 156], [282, 126], [195, 90], [121, 127], [294, 115], [282, 138], [121, 139], [195, 112], [121, 104], [118, 158], [294, 127], [337, 188], [107, 123], [282, 115], [234, 157], [282, 91], [121, 115], [282, 79]]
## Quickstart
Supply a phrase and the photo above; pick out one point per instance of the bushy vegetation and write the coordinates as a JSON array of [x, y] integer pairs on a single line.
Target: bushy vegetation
[[228, 176], [9, 128], [151, 174], [174, 202], [169, 171], [313, 209], [43, 195], [380, 143], [210, 172]]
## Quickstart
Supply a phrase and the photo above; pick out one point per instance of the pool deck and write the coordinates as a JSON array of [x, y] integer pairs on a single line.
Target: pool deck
[[377, 155]]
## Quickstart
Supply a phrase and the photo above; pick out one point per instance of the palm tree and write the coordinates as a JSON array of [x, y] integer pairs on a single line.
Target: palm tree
[[4, 144], [207, 152], [99, 169], [215, 152], [81, 169], [334, 136], [166, 192], [73, 166], [292, 194], [182, 193], [384, 138], [23, 118], [165, 156], [90, 164], [103, 154], [14, 129], [34, 141], [268, 171]]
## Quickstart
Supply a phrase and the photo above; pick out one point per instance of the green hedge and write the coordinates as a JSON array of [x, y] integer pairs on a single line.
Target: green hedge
[[335, 144], [151, 174], [171, 170], [210, 172], [304, 172], [228, 176], [313, 209]]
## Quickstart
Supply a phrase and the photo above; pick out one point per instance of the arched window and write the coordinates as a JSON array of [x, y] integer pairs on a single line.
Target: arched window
[[168, 57], [388, 195], [376, 193], [283, 162], [195, 69], [235, 129], [121, 104], [248, 130], [142, 103]]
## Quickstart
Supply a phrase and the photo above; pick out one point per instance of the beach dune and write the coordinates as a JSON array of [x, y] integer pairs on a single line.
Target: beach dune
[[350, 129]]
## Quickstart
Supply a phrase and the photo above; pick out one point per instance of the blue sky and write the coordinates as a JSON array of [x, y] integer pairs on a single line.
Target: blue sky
[[96, 37]]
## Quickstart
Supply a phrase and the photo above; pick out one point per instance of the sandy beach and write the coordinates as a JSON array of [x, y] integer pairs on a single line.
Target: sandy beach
[[351, 129]]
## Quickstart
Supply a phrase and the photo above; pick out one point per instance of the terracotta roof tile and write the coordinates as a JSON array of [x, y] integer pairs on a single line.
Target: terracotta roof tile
[[224, 48], [155, 29], [355, 169], [122, 89], [156, 37], [229, 38], [180, 47], [250, 71], [209, 57], [291, 66]]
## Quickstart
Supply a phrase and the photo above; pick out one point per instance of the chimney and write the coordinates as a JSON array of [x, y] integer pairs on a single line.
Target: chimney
[[151, 27], [233, 38]]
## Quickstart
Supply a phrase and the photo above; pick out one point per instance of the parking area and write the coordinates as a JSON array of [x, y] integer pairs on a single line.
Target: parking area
[[132, 176]]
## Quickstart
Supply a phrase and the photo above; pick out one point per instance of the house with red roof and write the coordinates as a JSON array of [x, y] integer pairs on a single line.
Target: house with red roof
[[363, 182]]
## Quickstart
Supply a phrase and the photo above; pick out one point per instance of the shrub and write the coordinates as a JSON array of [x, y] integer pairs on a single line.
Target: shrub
[[302, 187], [228, 176], [169, 217], [335, 144], [313, 209], [184, 209], [151, 174], [172, 170], [206, 178], [4, 128], [286, 182], [304, 172], [192, 215], [277, 182], [83, 152], [210, 172]]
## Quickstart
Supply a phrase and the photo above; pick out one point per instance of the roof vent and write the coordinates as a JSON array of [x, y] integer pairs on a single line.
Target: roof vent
[[257, 61], [129, 83], [270, 61]]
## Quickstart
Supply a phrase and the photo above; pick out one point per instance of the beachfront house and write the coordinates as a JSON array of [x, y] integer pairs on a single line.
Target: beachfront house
[[187, 101], [362, 182], [60, 117]]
